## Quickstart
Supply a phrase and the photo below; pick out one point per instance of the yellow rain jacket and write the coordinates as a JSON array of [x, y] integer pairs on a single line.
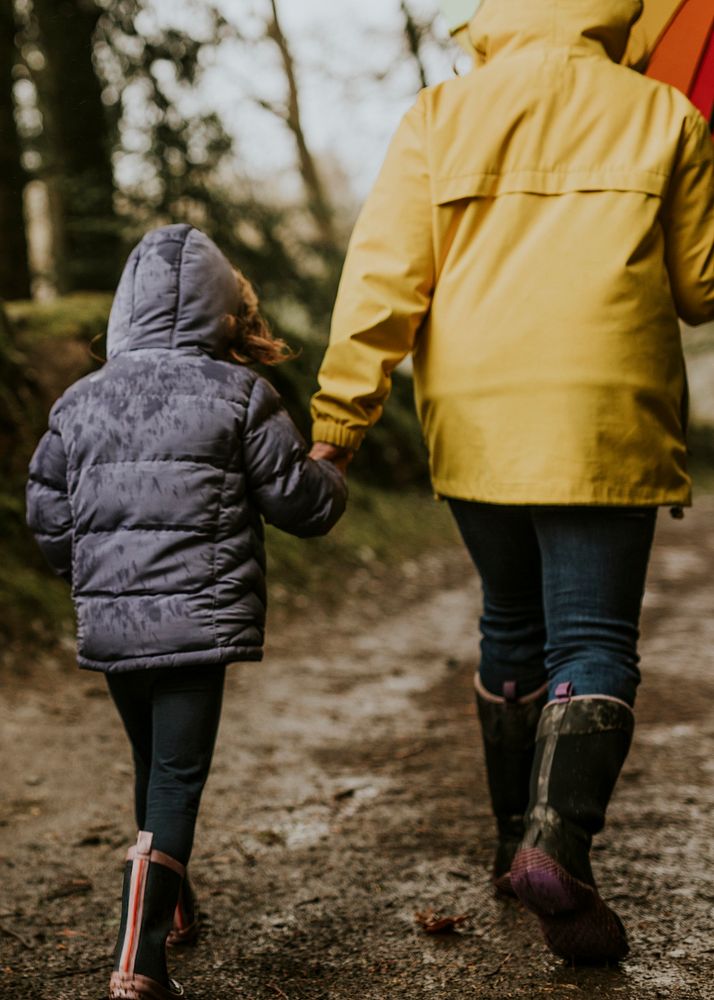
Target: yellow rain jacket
[[536, 229]]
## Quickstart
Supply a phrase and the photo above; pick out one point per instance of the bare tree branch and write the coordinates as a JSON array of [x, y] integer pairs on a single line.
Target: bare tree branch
[[279, 110], [319, 202], [414, 34]]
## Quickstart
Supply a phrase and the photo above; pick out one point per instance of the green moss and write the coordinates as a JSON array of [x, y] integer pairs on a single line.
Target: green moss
[[34, 606], [81, 316], [52, 346], [380, 528]]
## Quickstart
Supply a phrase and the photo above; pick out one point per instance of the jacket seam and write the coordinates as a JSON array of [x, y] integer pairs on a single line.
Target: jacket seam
[[250, 432], [41, 481], [192, 460], [214, 588], [170, 529], [132, 313], [179, 285], [109, 595], [69, 530], [554, 171], [178, 394], [112, 595], [163, 656]]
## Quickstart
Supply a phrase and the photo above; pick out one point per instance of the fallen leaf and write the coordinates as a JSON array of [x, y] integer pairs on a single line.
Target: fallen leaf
[[346, 793], [433, 923]]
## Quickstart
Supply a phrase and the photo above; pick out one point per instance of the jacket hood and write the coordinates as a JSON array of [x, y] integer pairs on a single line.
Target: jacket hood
[[509, 25], [175, 291]]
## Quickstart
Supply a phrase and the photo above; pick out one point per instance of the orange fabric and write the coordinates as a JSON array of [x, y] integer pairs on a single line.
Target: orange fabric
[[139, 873], [703, 90], [656, 16], [677, 57]]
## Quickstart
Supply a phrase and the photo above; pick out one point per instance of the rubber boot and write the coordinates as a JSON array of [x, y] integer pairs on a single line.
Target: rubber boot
[[508, 725], [152, 882], [185, 926], [581, 747]]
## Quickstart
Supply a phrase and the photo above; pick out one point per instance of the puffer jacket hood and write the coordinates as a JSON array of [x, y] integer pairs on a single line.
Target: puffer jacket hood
[[508, 25], [175, 291]]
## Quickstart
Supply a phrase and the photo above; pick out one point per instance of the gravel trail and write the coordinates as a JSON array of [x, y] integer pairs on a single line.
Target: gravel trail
[[348, 794]]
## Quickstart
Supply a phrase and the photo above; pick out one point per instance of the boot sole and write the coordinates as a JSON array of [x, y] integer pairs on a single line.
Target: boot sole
[[185, 938], [502, 886], [128, 986], [577, 924]]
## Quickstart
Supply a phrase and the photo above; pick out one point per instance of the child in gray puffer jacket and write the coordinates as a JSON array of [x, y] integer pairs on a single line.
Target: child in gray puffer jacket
[[148, 494]]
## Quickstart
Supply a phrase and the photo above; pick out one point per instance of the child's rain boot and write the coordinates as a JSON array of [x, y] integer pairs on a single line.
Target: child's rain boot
[[152, 881], [185, 926]]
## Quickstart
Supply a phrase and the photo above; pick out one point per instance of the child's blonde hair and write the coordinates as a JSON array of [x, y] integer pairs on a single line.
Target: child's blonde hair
[[248, 338]]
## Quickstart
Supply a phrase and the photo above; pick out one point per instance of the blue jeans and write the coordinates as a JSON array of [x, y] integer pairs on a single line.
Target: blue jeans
[[562, 594]]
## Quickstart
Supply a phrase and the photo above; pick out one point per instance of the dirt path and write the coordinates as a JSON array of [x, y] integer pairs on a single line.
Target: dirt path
[[348, 793]]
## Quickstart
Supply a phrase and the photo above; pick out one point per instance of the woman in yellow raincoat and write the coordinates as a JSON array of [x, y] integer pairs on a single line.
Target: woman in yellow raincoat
[[537, 229]]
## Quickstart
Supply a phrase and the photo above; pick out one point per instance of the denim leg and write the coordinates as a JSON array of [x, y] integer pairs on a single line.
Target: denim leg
[[504, 548], [594, 569]]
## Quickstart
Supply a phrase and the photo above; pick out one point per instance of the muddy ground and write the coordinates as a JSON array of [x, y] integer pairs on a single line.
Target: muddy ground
[[348, 793]]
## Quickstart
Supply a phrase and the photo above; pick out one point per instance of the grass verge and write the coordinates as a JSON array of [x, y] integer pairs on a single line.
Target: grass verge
[[380, 531]]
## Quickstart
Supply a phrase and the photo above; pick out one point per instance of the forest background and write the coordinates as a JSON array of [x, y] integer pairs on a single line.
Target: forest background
[[261, 122]]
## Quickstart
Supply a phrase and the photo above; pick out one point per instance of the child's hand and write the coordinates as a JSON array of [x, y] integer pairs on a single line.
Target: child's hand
[[340, 457]]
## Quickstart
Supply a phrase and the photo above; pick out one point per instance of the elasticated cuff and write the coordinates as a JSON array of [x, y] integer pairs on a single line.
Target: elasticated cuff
[[330, 432]]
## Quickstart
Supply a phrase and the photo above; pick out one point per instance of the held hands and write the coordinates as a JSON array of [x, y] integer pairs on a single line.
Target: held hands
[[340, 457]]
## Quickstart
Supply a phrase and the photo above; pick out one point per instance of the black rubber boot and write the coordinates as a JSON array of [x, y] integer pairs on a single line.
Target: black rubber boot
[[185, 929], [152, 882], [508, 725], [581, 747]]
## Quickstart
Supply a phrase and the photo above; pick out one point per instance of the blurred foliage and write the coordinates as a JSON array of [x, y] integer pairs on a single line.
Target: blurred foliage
[[190, 168], [55, 338], [99, 81], [18, 392], [82, 316], [30, 599], [45, 346], [380, 531]]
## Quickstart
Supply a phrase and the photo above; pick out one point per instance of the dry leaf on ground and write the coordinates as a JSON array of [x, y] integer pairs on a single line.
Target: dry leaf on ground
[[432, 922]]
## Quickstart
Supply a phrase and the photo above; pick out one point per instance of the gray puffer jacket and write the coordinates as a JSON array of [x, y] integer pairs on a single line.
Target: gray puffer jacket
[[148, 489]]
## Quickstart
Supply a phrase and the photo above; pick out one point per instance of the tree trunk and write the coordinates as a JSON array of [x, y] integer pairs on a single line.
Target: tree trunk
[[14, 268], [319, 202], [77, 140], [17, 394]]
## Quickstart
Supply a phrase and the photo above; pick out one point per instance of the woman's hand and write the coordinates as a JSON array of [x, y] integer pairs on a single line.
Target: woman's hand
[[340, 457]]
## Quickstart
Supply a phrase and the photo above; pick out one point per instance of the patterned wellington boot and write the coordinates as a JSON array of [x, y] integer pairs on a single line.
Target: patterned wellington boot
[[581, 747], [185, 927], [508, 725], [152, 882]]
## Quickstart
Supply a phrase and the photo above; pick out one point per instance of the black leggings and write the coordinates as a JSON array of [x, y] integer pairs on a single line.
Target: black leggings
[[171, 716]]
